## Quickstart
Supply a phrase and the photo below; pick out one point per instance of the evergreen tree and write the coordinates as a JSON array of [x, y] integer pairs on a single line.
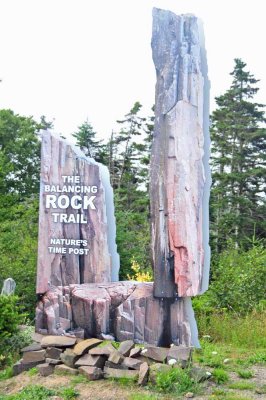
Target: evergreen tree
[[19, 155], [238, 162], [85, 138]]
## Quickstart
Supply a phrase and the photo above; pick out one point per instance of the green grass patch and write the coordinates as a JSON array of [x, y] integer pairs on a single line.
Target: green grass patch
[[6, 373], [124, 381], [230, 328], [31, 392], [176, 381], [220, 376], [141, 396], [79, 379], [245, 374], [68, 393], [38, 392], [242, 385], [32, 371]]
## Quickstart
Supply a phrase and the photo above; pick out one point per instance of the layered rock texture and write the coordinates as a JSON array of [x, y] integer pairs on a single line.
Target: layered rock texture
[[78, 290], [99, 360], [178, 187], [125, 310], [73, 191]]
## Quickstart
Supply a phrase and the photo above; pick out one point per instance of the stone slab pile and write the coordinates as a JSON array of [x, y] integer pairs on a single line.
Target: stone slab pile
[[98, 359]]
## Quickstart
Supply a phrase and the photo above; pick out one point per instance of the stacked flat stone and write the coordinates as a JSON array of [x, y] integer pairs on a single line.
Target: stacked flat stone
[[98, 359]]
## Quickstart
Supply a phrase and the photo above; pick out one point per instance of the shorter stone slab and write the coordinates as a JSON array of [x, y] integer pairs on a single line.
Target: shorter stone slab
[[155, 369], [109, 364], [33, 356], [83, 346], [116, 357], [19, 367], [183, 355], [32, 347], [199, 374], [143, 374], [92, 361], [132, 363], [45, 369], [53, 361], [68, 357], [120, 373], [64, 369], [102, 351], [125, 347], [91, 373], [155, 353], [53, 352], [58, 341], [135, 352]]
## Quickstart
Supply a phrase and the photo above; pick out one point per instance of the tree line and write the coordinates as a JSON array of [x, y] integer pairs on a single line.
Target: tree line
[[237, 202]]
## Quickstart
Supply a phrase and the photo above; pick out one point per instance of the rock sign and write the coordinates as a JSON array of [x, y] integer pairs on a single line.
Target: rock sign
[[180, 175]]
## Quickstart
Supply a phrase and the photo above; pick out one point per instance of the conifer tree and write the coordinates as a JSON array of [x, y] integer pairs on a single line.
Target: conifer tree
[[238, 162]]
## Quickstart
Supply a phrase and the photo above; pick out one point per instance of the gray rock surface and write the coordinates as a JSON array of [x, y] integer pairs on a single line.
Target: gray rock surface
[[9, 287], [177, 180]]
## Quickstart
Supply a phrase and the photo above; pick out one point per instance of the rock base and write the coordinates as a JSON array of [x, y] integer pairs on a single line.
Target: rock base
[[125, 310]]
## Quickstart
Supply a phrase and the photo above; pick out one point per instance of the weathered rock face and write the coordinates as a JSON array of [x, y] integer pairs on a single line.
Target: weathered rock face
[[9, 287], [127, 310], [178, 189], [74, 239]]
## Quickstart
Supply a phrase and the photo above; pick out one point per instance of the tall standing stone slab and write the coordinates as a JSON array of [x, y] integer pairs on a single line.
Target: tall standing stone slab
[[180, 177], [75, 243]]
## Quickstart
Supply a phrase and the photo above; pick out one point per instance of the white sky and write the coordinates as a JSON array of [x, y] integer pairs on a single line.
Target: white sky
[[77, 59]]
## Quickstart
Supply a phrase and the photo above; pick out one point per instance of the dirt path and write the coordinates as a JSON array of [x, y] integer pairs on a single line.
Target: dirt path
[[108, 390]]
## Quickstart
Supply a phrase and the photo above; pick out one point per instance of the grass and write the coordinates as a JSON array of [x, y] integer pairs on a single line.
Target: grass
[[220, 376], [141, 396], [79, 379], [176, 381], [33, 371], [31, 392], [230, 328], [6, 373], [38, 392], [242, 386], [245, 374]]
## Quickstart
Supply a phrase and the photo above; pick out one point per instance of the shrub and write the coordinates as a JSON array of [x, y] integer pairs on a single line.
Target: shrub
[[10, 317], [237, 281]]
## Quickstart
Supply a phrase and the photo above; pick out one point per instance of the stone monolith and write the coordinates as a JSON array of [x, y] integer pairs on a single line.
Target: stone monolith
[[180, 176], [76, 218]]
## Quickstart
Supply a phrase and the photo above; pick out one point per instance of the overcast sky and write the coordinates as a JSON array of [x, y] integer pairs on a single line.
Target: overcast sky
[[75, 59]]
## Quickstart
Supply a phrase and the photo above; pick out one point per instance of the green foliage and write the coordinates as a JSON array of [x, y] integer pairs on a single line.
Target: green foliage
[[18, 250], [141, 396], [176, 381], [68, 393], [245, 374], [220, 375], [38, 392], [19, 155], [10, 316], [238, 132], [85, 138], [242, 385], [230, 328], [12, 345], [238, 281], [33, 371], [31, 392], [6, 373]]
